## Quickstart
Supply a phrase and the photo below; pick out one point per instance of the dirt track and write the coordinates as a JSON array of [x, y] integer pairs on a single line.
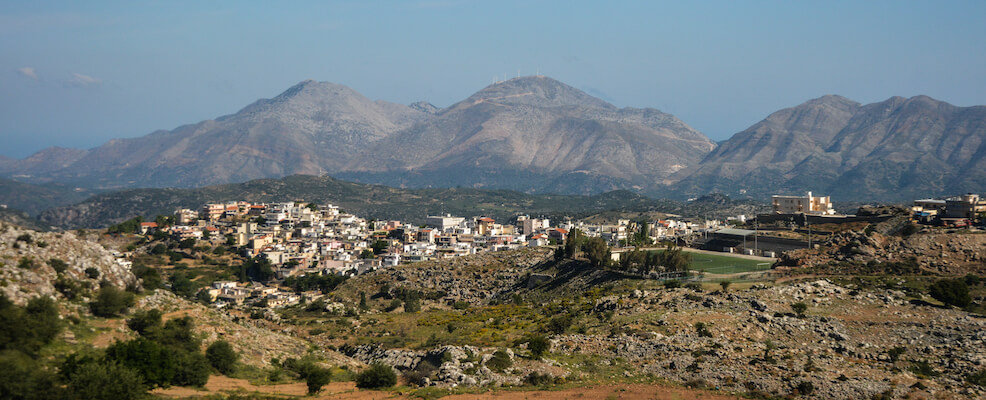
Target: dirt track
[[348, 390]]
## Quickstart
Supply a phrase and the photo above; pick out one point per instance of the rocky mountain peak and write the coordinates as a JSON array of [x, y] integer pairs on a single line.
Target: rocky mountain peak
[[540, 91]]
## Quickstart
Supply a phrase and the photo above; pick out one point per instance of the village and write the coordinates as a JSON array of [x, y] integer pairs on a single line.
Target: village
[[305, 239]]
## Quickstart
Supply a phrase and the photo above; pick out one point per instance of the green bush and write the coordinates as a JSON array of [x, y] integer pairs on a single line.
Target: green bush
[[111, 302], [977, 378], [500, 361], [953, 292], [143, 321], [315, 377], [28, 329], [538, 345], [92, 273], [799, 309], [376, 376], [58, 265], [26, 263], [222, 357]]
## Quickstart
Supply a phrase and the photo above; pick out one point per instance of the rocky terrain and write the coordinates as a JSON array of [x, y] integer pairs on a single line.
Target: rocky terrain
[[851, 340], [931, 252], [32, 262]]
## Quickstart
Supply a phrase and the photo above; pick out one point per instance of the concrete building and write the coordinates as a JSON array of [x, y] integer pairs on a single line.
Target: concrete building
[[968, 206], [807, 204], [444, 222]]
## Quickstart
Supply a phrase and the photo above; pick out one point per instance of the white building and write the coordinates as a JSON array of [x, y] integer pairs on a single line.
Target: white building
[[807, 204]]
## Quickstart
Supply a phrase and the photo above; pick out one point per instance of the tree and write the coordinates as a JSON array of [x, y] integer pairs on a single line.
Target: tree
[[316, 377], [143, 322], [111, 302], [725, 285], [191, 369], [799, 308], [379, 247], [376, 376], [597, 252], [222, 357], [538, 345], [953, 292]]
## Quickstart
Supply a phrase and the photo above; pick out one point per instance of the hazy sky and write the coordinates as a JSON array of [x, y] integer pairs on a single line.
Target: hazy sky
[[78, 73]]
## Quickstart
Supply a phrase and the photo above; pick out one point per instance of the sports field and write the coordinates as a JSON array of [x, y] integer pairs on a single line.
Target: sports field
[[716, 264]]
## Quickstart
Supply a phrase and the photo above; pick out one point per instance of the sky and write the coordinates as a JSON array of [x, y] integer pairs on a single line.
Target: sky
[[77, 74]]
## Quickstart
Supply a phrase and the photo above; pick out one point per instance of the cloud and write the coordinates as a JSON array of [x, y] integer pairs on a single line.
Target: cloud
[[28, 72], [79, 80]]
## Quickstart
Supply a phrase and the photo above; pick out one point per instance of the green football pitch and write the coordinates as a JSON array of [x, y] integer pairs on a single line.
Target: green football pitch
[[716, 264]]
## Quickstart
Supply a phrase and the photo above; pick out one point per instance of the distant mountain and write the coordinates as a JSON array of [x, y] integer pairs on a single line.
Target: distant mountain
[[898, 149], [532, 134]]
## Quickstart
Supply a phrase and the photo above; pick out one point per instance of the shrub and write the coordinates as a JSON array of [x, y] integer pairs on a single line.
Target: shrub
[[58, 265], [106, 381], [805, 388], [26, 238], [977, 378], [316, 377], [672, 284], [923, 368], [953, 292], [799, 309], [559, 324], [92, 273], [142, 322], [191, 369], [500, 361], [460, 305], [222, 357], [26, 263], [725, 285], [538, 379], [111, 302], [895, 353], [376, 376], [538, 345], [702, 329]]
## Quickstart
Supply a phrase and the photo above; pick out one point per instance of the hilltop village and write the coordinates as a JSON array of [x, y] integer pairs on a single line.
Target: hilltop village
[[297, 239]]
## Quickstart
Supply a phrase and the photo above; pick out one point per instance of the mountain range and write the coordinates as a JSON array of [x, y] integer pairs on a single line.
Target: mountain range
[[538, 135], [897, 149]]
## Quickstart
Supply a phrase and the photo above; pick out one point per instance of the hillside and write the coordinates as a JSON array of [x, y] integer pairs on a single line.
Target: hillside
[[382, 202], [33, 199], [530, 134], [895, 150], [370, 201]]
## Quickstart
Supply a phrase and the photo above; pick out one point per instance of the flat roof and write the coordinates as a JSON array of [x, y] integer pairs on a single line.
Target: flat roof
[[735, 232]]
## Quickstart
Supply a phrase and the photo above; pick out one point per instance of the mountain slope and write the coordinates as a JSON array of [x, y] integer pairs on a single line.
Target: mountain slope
[[539, 125], [310, 127], [897, 149], [531, 134]]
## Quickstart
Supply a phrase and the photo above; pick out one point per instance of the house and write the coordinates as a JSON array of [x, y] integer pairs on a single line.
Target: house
[[807, 204], [148, 227], [968, 207], [484, 226]]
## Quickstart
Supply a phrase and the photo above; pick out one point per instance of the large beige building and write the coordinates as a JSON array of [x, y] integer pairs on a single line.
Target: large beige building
[[807, 204]]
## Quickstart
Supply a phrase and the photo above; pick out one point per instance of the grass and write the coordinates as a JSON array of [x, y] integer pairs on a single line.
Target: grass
[[716, 264]]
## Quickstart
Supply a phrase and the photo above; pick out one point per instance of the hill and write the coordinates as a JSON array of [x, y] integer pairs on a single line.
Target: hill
[[895, 150], [33, 199], [381, 202]]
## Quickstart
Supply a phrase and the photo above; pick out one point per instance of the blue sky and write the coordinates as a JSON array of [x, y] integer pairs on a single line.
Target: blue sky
[[77, 74]]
